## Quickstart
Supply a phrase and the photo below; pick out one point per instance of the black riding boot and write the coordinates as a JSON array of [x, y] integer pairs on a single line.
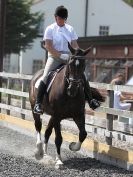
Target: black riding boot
[[38, 104], [93, 103]]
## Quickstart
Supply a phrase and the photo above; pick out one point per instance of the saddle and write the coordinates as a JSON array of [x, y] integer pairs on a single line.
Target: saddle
[[51, 77]]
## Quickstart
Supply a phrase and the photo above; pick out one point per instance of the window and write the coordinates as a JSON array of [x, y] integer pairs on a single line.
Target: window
[[6, 63], [103, 30], [37, 65], [41, 27]]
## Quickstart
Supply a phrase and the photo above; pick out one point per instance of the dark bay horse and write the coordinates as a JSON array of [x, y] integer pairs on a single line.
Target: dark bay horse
[[65, 99]]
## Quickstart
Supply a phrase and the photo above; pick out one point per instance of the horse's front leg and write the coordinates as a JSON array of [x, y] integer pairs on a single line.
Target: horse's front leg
[[80, 122], [38, 125], [58, 142], [47, 134]]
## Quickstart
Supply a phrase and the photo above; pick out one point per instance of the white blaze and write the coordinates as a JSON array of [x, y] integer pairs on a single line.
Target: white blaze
[[77, 62]]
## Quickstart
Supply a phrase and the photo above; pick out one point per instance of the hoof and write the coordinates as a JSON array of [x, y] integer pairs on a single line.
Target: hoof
[[59, 165], [39, 152], [38, 155], [74, 146]]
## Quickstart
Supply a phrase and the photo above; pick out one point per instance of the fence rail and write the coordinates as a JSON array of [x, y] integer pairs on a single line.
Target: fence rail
[[105, 127]]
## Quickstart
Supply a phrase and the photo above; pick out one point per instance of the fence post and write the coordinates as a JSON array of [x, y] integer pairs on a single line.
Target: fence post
[[109, 123], [2, 37], [23, 99], [8, 96]]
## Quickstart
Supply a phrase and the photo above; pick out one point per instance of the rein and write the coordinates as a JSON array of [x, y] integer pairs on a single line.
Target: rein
[[79, 57]]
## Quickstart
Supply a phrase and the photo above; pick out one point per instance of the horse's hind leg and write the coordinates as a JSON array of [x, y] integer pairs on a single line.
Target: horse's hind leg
[[58, 142], [38, 125], [80, 122], [47, 134]]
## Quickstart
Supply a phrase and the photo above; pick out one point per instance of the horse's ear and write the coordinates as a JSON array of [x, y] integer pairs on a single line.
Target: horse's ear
[[71, 49], [88, 50], [42, 43]]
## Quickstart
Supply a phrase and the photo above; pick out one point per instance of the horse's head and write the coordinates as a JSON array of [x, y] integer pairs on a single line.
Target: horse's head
[[75, 70]]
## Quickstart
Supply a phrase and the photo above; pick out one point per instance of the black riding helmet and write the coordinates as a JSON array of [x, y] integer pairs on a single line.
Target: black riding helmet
[[62, 12]]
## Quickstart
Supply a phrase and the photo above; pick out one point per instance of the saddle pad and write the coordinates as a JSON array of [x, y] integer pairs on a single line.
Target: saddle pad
[[49, 82]]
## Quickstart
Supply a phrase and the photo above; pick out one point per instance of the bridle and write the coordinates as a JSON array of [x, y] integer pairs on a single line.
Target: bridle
[[74, 81], [71, 80]]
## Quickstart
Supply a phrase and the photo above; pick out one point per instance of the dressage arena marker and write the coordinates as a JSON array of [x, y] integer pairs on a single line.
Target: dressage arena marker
[[99, 151]]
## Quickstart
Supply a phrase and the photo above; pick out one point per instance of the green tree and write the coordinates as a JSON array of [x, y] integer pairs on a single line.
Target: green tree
[[130, 2], [21, 26]]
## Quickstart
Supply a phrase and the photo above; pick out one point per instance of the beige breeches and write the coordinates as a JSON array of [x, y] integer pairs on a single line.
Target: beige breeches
[[51, 64]]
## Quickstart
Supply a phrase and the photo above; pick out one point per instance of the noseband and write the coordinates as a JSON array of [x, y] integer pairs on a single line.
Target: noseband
[[77, 82]]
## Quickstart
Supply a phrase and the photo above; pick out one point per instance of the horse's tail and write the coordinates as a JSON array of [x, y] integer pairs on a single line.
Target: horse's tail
[[97, 95]]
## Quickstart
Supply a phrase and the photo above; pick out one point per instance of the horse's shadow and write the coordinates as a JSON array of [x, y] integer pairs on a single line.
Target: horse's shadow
[[86, 163], [81, 164]]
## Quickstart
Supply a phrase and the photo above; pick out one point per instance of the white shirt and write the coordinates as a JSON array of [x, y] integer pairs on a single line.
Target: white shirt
[[118, 104], [60, 36]]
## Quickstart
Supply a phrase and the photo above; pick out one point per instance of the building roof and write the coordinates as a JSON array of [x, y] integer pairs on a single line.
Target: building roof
[[108, 40]]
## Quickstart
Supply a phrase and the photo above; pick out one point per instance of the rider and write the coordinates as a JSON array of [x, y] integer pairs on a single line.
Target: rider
[[56, 37]]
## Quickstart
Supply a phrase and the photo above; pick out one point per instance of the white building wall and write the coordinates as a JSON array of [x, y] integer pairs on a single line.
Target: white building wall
[[35, 53], [113, 13], [12, 65]]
